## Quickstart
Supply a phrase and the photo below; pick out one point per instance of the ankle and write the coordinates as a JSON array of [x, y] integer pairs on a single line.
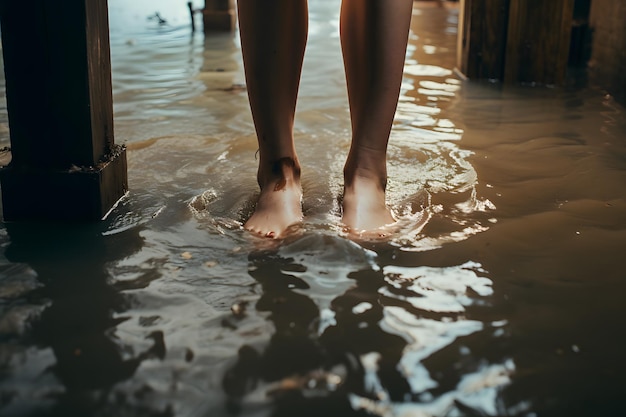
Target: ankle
[[279, 172], [370, 166]]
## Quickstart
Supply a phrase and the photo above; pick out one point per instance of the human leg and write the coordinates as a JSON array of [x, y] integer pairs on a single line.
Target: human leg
[[374, 35], [273, 38]]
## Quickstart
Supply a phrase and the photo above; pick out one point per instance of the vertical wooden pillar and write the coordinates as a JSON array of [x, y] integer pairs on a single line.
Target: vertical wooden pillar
[[538, 41], [516, 41], [65, 164], [608, 61], [482, 38], [219, 15]]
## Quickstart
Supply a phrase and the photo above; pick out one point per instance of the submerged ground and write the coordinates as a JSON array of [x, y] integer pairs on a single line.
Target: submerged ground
[[501, 293]]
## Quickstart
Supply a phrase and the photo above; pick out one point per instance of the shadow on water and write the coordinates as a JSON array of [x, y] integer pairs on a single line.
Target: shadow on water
[[356, 334], [312, 360], [78, 310]]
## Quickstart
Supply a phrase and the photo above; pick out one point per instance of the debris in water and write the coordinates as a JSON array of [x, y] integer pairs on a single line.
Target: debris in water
[[239, 309], [158, 18]]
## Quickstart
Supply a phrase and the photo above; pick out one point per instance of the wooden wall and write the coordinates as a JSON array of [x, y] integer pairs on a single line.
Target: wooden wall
[[608, 57], [515, 41]]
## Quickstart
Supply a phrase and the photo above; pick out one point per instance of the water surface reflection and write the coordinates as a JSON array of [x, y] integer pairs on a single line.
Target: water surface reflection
[[349, 341], [500, 293], [66, 321]]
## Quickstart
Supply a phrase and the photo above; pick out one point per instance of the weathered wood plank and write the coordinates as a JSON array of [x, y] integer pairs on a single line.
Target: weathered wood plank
[[482, 38], [48, 90], [65, 164], [516, 41], [99, 76], [538, 41], [61, 195]]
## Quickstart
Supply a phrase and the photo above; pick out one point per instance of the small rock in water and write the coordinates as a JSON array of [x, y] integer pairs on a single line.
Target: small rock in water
[[239, 309]]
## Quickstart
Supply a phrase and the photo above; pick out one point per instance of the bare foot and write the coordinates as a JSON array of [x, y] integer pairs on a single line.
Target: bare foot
[[364, 208], [280, 202]]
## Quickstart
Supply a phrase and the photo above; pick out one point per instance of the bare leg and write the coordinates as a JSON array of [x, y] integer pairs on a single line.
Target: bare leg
[[273, 39], [374, 35]]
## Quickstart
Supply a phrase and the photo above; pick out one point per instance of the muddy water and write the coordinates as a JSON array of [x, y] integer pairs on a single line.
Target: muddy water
[[500, 293]]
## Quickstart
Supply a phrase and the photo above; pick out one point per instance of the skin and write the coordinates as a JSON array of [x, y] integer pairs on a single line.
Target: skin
[[374, 36]]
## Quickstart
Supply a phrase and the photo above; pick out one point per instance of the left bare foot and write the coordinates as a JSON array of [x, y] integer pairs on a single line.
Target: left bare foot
[[279, 204]]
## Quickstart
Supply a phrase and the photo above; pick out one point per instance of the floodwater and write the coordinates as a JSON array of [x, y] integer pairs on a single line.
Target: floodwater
[[501, 293]]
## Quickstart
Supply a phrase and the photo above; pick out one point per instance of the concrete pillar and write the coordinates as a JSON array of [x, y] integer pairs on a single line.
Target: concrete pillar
[[65, 164]]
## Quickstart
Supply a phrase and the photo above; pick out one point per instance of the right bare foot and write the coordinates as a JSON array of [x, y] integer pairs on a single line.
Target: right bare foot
[[364, 208], [280, 202], [365, 178]]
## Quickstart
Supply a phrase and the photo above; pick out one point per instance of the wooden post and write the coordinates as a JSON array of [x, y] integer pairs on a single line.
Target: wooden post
[[516, 41], [193, 17], [482, 38], [538, 41], [65, 164], [219, 15], [608, 62]]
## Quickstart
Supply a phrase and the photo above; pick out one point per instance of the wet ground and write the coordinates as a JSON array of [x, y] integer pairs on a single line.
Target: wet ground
[[500, 294]]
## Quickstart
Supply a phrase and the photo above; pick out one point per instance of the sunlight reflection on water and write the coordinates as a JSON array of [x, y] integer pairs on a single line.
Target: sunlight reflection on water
[[181, 108], [510, 215]]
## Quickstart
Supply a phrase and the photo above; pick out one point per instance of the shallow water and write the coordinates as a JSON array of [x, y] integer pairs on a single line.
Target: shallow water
[[499, 294]]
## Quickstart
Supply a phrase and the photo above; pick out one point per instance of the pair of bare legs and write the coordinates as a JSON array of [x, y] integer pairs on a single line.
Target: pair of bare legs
[[374, 36]]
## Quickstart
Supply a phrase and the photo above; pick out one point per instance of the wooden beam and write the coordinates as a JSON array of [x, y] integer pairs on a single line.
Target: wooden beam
[[65, 164], [515, 41], [538, 41], [482, 38]]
